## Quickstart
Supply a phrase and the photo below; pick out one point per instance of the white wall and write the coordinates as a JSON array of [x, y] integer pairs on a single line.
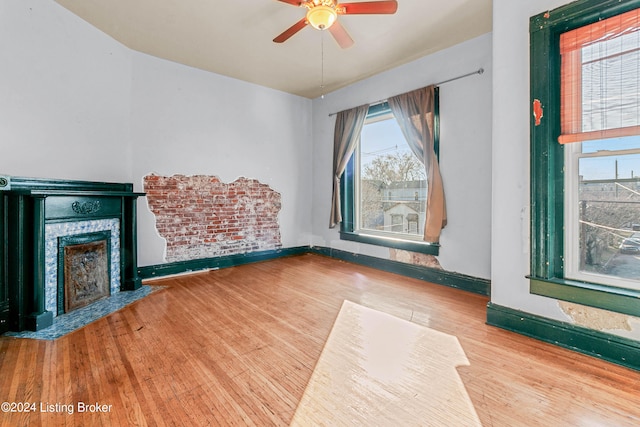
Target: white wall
[[511, 118], [510, 235], [64, 96], [76, 104], [465, 154], [191, 122]]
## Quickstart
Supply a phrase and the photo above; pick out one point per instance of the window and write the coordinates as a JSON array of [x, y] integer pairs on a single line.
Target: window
[[600, 102], [585, 154], [385, 187], [397, 222], [602, 200], [388, 176]]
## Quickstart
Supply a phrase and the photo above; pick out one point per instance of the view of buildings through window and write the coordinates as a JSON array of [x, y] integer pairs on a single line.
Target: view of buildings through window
[[392, 181], [607, 210]]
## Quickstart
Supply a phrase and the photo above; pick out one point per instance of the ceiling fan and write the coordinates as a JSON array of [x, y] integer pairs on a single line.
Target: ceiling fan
[[323, 15]]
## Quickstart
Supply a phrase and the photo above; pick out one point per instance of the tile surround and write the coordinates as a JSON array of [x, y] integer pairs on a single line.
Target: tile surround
[[61, 229]]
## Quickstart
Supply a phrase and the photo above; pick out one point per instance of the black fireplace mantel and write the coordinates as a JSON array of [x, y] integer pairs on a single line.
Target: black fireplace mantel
[[26, 206]]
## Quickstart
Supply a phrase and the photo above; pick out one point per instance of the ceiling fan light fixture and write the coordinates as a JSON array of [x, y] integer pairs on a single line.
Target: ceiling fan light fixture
[[321, 17]]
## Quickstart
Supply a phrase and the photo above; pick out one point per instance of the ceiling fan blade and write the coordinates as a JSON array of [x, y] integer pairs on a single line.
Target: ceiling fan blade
[[292, 2], [291, 31], [368, 7], [340, 34]]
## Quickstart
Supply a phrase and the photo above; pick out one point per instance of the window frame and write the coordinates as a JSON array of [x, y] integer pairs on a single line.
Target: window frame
[[348, 201], [547, 159]]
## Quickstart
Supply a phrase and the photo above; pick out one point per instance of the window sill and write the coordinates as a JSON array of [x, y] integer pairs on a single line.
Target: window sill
[[620, 300], [407, 245]]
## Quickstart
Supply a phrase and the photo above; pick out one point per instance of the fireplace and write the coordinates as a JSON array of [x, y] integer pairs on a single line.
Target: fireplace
[[69, 244]]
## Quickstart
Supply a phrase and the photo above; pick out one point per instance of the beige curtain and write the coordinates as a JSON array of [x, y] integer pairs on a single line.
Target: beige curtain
[[349, 124], [415, 114]]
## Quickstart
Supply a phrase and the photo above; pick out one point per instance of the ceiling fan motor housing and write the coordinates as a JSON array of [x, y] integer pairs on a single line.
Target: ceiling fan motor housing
[[321, 17]]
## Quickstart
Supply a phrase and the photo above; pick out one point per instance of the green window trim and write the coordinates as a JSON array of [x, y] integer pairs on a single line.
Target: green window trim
[[407, 245], [347, 190], [620, 300], [547, 161]]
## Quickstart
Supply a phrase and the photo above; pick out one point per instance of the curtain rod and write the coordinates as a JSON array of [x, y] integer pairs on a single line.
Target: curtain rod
[[478, 71]]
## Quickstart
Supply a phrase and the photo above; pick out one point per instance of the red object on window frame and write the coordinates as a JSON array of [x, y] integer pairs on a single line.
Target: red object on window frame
[[538, 111]]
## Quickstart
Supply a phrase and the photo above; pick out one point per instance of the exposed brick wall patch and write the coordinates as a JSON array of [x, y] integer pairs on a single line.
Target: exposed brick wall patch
[[201, 217]]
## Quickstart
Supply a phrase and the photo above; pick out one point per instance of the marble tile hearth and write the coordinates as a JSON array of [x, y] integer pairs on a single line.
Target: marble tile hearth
[[72, 321]]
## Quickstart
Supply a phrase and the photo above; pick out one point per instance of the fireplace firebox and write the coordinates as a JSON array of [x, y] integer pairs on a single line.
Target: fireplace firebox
[[66, 244], [83, 270]]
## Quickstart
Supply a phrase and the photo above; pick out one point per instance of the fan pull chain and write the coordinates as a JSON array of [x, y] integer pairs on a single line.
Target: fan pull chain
[[322, 64]]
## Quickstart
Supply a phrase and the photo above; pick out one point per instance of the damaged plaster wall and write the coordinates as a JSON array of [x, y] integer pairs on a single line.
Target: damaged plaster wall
[[192, 122], [203, 217], [601, 320], [414, 258]]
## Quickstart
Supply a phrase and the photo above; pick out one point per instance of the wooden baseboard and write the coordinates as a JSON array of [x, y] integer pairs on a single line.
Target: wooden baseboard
[[447, 278], [178, 267], [472, 284], [609, 347]]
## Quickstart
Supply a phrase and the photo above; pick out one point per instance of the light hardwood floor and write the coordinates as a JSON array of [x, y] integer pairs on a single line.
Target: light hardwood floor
[[237, 347]]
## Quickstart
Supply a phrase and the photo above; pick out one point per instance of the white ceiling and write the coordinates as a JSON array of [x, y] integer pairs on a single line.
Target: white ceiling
[[234, 37]]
